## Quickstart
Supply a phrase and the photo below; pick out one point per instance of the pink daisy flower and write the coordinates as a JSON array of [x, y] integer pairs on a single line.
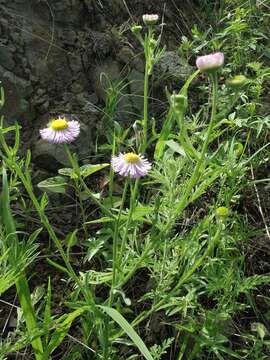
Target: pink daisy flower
[[210, 62], [130, 164], [60, 131]]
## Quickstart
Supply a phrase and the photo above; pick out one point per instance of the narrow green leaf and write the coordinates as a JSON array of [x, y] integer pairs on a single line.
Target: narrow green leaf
[[57, 266], [62, 327], [128, 329]]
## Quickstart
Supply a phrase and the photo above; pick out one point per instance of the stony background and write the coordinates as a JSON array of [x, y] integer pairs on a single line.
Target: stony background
[[52, 55]]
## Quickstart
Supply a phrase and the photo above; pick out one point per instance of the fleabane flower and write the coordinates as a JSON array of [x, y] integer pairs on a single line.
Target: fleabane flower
[[210, 62], [60, 131], [150, 19], [130, 164]]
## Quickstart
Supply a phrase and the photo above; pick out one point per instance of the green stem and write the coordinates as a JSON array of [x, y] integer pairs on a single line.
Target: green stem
[[130, 213], [148, 54], [115, 242], [201, 161], [145, 106], [106, 350], [183, 135], [111, 175]]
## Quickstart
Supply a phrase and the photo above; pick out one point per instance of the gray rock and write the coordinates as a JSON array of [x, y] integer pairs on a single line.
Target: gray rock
[[49, 156], [101, 43], [6, 57], [103, 74], [125, 55], [136, 81], [172, 67], [87, 103], [20, 85]]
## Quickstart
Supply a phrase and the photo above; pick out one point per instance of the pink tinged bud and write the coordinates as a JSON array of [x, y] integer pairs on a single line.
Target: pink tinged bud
[[150, 19], [210, 62]]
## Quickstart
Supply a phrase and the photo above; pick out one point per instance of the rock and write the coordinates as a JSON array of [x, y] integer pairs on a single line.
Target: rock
[[49, 156], [136, 81], [44, 107], [85, 144], [125, 55], [87, 103], [103, 74], [101, 43], [17, 105], [75, 63], [20, 86], [171, 67], [6, 57], [76, 88]]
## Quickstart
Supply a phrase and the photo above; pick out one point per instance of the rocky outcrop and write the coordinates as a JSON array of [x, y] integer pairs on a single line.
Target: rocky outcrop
[[53, 55]]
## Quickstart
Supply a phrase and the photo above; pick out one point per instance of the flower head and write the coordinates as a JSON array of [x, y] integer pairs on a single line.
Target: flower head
[[61, 131], [130, 164], [210, 62], [150, 19]]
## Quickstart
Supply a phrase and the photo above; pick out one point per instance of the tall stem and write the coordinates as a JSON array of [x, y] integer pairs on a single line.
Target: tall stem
[[133, 196], [200, 163], [106, 350], [145, 105], [115, 243]]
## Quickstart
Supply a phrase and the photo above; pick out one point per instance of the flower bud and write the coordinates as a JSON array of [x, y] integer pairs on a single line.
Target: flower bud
[[211, 62], [136, 29], [237, 81], [179, 102], [222, 212], [150, 19]]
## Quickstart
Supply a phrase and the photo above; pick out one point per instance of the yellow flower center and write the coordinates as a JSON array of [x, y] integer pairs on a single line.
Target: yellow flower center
[[59, 124], [132, 158]]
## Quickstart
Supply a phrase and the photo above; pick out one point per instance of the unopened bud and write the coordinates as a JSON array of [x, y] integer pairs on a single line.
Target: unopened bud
[[211, 62], [179, 102], [150, 19], [136, 29], [222, 212], [237, 81]]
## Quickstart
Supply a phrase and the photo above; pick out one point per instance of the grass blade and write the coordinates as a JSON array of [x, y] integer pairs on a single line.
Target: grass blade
[[128, 329]]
